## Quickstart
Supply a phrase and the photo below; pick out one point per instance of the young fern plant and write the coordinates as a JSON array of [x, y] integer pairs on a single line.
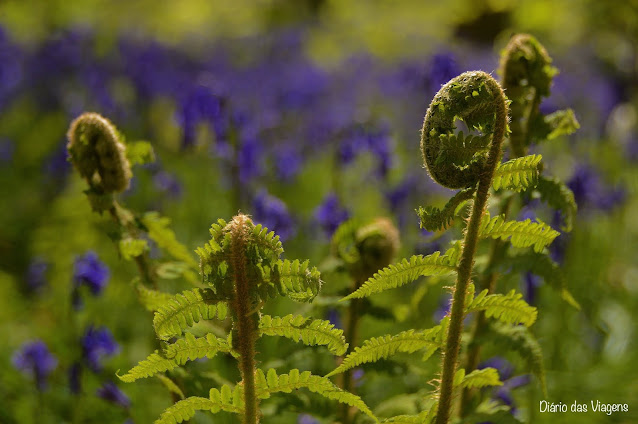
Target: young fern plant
[[471, 164], [241, 269]]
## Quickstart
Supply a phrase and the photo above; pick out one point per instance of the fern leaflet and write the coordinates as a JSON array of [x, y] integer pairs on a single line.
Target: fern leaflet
[[185, 309], [294, 279], [509, 308], [517, 174], [150, 366], [478, 378], [425, 417], [309, 332], [557, 195], [404, 272], [191, 348], [460, 150], [521, 233], [170, 385], [273, 383], [385, 346], [151, 299], [434, 219], [160, 232], [226, 400]]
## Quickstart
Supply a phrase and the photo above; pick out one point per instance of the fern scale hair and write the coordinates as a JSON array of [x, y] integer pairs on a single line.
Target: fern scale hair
[[98, 153]]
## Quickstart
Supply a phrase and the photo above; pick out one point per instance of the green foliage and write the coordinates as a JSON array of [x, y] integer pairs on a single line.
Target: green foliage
[[517, 174], [160, 232], [140, 153], [152, 300], [191, 348], [485, 377], [461, 150], [294, 279], [557, 195], [273, 383], [434, 219], [405, 272], [184, 309], [170, 385], [509, 308], [310, 332], [384, 347], [153, 364], [130, 247], [521, 233], [561, 122], [227, 400]]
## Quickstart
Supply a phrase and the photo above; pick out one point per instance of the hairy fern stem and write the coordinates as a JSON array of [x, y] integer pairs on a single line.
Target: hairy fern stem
[[352, 335]]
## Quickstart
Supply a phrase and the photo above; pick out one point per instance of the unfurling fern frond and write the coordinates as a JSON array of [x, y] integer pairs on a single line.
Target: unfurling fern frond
[[384, 347], [485, 377], [522, 341], [152, 300], [310, 332], [434, 219], [153, 364], [294, 279], [271, 383], [185, 309], [191, 348], [405, 272], [521, 233], [343, 243], [517, 174], [460, 150], [267, 240], [509, 308], [227, 400], [557, 195], [544, 267]]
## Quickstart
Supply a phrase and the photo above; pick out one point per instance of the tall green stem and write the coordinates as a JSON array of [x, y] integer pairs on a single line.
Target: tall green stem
[[352, 335], [246, 318], [467, 256]]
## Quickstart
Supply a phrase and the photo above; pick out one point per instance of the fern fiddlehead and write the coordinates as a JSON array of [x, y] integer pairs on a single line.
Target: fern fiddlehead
[[478, 100]]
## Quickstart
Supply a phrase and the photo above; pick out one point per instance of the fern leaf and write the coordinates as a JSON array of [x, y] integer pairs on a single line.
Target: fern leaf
[[517, 174], [561, 122], [425, 417], [479, 378], [343, 241], [170, 385], [557, 195], [273, 383], [521, 233], [460, 150], [310, 332], [151, 299], [185, 409], [544, 267], [296, 280], [509, 308], [150, 366], [191, 348], [185, 309], [267, 239], [160, 232], [434, 219], [384, 347], [405, 272], [522, 341]]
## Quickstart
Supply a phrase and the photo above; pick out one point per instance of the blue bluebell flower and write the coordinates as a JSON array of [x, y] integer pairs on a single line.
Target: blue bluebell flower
[[96, 344], [89, 271], [167, 183], [334, 317], [111, 393], [273, 214], [11, 68], [443, 308], [443, 67], [505, 369], [35, 359], [306, 419], [591, 193], [330, 214], [531, 282], [288, 163], [199, 104], [36, 277]]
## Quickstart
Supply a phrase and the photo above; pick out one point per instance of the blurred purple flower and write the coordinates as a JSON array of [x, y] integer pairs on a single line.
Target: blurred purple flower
[[57, 166], [200, 104], [591, 193], [288, 162], [306, 419], [75, 378], [111, 393], [334, 317], [530, 283], [505, 370], [167, 183], [96, 344], [35, 276], [445, 303], [503, 366], [442, 68], [273, 213], [7, 149], [34, 359], [11, 68], [330, 214], [91, 272]]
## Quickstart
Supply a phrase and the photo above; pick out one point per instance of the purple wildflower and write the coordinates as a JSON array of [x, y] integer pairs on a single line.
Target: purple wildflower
[[330, 214], [442, 68], [34, 359], [111, 393], [273, 214], [96, 344], [91, 272], [288, 162], [306, 419], [530, 283], [167, 183], [35, 276], [7, 148], [334, 317], [591, 193]]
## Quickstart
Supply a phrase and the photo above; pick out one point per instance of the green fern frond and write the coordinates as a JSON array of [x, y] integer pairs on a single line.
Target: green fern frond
[[267, 239], [386, 346], [485, 377], [434, 219], [160, 232], [521, 233], [425, 417], [509, 308], [310, 332], [184, 410], [185, 309], [557, 195], [459, 150], [151, 299], [296, 280], [517, 174], [544, 267], [191, 348], [522, 341], [561, 122], [272, 383], [150, 366], [405, 272], [343, 241], [170, 385]]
